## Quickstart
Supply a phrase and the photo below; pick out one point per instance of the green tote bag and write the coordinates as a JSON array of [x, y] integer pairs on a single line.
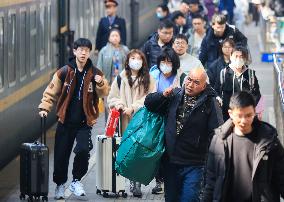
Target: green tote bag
[[142, 146]]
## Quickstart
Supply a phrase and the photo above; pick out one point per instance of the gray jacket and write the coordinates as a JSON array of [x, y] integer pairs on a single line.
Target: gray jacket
[[106, 58]]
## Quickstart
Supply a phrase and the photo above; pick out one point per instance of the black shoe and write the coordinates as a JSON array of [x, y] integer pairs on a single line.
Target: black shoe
[[158, 188]]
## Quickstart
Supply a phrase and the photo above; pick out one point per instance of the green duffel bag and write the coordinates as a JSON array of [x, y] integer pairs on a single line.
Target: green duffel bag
[[142, 146]]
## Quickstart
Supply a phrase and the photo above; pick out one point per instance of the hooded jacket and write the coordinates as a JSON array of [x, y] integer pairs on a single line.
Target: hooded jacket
[[191, 146], [152, 50], [61, 91], [268, 164]]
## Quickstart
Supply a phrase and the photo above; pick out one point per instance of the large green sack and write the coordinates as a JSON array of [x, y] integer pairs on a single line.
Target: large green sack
[[142, 146]]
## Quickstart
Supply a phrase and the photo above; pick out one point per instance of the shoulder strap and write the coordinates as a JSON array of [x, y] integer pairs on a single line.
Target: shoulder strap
[[182, 76], [63, 74], [251, 78], [222, 76], [118, 79]]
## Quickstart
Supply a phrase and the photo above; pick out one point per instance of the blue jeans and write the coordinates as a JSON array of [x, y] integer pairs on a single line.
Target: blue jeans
[[182, 183]]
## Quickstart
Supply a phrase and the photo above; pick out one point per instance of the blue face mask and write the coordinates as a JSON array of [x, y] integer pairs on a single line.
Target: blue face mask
[[159, 15]]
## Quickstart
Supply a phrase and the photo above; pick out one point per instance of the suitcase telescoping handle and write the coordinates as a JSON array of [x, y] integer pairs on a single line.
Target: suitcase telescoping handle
[[120, 123], [43, 130]]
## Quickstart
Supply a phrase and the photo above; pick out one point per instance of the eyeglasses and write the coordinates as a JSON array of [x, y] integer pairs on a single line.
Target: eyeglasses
[[81, 50], [180, 43]]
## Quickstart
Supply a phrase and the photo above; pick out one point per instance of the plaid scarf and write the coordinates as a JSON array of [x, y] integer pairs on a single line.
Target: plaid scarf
[[184, 110]]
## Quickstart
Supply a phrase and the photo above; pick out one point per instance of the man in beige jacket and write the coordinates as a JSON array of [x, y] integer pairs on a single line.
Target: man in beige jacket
[[76, 87]]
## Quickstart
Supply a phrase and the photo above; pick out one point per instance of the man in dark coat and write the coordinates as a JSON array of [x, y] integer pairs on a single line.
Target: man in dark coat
[[246, 160], [214, 37], [192, 113], [158, 41], [109, 22]]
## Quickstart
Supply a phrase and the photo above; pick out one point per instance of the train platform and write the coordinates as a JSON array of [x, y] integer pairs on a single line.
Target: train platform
[[9, 176]]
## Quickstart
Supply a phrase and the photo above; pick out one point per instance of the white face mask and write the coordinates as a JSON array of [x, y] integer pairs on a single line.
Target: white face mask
[[165, 68], [135, 64], [237, 63]]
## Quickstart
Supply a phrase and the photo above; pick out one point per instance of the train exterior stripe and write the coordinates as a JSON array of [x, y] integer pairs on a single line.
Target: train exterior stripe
[[5, 3], [25, 91]]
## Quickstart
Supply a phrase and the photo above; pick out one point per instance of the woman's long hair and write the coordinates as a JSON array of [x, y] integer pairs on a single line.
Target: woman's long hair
[[143, 76]]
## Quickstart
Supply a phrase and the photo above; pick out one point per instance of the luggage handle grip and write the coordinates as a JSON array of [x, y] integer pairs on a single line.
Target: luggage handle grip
[[43, 130]]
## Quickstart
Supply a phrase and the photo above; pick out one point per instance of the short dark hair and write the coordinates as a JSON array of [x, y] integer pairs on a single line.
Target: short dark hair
[[167, 24], [170, 55], [242, 99], [176, 14], [242, 49], [197, 16], [219, 18], [164, 7], [181, 36], [83, 42]]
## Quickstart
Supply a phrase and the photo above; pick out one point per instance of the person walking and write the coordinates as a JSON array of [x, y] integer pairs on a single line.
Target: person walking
[[128, 92], [112, 57], [191, 112], [76, 87], [246, 159], [237, 76], [218, 32], [158, 41]]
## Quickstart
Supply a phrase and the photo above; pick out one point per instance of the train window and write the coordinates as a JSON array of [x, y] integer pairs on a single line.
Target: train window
[[1, 52], [33, 45], [12, 49], [23, 45], [42, 34]]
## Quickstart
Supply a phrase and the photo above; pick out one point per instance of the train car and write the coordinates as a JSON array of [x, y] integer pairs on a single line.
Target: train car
[[36, 38]]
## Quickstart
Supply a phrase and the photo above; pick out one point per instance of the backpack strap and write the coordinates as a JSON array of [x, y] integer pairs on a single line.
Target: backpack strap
[[251, 78], [63, 74], [222, 79], [118, 79], [182, 77]]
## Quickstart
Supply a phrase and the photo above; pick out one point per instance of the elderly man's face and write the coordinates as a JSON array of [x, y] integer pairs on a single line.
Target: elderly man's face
[[195, 82]]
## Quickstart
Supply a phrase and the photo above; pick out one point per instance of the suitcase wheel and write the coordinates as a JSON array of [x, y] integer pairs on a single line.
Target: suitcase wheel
[[22, 196], [124, 194], [98, 191], [30, 199], [44, 198], [105, 195]]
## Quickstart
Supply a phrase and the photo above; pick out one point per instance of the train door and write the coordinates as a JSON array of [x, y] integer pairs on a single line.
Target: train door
[[65, 35]]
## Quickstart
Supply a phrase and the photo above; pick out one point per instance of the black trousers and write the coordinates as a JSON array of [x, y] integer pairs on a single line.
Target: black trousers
[[64, 140]]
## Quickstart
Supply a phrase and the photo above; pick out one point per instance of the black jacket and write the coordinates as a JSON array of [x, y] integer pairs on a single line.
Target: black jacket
[[214, 70], [210, 46], [105, 27], [191, 146], [225, 90], [152, 50], [268, 164]]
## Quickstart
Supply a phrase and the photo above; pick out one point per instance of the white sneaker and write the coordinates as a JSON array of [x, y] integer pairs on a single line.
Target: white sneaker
[[59, 192], [76, 187]]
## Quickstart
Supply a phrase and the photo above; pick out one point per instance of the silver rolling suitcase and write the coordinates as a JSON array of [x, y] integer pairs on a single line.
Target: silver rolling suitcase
[[107, 180]]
